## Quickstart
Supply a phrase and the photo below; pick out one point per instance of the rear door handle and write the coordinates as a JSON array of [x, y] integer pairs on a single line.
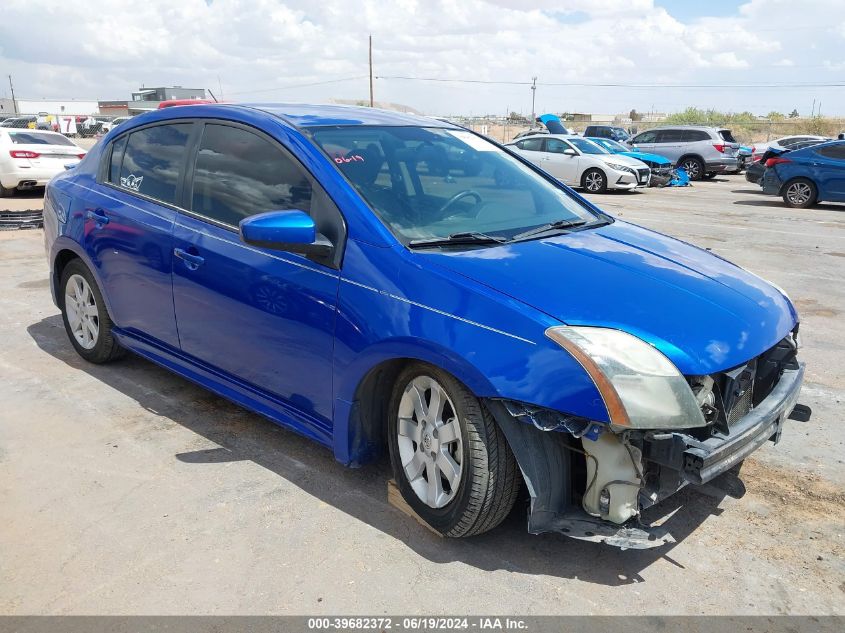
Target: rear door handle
[[98, 215], [192, 262]]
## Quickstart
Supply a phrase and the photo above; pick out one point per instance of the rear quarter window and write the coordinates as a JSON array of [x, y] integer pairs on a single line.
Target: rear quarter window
[[832, 151], [36, 138]]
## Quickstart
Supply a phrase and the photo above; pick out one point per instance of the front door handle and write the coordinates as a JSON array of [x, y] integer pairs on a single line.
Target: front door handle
[[99, 217], [192, 262]]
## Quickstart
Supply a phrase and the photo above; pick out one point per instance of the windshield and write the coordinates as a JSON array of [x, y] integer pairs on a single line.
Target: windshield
[[39, 138], [588, 147], [614, 147], [435, 182]]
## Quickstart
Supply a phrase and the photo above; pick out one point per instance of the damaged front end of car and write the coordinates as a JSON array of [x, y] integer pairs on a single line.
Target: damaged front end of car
[[592, 480]]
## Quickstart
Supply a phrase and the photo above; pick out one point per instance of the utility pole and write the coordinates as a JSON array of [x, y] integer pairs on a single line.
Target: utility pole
[[813, 109], [14, 103], [533, 94], [371, 72]]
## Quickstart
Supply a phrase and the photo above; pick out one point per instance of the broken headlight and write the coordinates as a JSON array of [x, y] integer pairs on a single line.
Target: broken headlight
[[641, 388]]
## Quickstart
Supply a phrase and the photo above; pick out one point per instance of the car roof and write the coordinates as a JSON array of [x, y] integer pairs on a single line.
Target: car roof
[[316, 115], [685, 127]]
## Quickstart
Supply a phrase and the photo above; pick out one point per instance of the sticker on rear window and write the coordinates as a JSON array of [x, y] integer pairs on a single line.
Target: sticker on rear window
[[132, 182], [475, 142]]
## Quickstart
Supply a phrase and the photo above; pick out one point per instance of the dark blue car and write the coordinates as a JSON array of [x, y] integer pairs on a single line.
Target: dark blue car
[[387, 283], [807, 176]]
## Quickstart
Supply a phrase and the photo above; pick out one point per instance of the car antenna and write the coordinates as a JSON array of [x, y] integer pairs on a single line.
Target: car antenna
[[212, 95]]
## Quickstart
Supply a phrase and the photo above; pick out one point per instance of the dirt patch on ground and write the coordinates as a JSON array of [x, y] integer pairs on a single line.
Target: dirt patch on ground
[[814, 308], [797, 494]]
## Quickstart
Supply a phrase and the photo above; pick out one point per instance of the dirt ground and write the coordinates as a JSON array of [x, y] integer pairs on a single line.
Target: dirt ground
[[127, 490]]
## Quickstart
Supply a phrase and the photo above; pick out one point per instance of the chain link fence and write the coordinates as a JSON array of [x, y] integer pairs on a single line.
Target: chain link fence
[[71, 125]]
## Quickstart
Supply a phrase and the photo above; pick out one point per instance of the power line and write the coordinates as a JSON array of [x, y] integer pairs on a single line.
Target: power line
[[306, 85], [573, 84]]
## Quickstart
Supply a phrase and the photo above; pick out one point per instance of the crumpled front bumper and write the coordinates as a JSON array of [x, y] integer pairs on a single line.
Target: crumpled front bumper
[[676, 458], [699, 462]]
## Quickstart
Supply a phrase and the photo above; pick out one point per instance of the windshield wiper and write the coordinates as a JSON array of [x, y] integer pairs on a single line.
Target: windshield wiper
[[560, 225], [468, 237]]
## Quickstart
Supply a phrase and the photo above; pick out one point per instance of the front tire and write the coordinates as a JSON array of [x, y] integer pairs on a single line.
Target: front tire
[[800, 193], [86, 320], [694, 167], [449, 457], [594, 180]]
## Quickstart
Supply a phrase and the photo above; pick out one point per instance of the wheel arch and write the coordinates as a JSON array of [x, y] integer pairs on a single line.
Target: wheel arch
[[64, 251], [360, 414], [789, 181], [691, 155]]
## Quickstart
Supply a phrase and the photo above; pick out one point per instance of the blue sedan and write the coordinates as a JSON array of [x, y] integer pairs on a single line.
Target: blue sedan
[[380, 282], [806, 176]]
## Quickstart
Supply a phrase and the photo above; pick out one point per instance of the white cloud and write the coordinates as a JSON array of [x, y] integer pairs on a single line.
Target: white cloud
[[255, 46]]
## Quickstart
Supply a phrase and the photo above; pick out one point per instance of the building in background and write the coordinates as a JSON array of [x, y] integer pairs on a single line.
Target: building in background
[[58, 106], [7, 107], [145, 99]]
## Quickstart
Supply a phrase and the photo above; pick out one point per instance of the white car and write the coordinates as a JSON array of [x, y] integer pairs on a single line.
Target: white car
[[30, 158], [578, 162], [109, 125]]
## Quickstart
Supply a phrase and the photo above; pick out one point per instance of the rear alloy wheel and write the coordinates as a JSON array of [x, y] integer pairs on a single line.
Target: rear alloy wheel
[[594, 181], [694, 168], [800, 193], [86, 320], [450, 460]]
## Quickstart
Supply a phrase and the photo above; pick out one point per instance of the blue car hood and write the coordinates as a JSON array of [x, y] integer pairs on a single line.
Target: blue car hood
[[654, 158], [703, 312]]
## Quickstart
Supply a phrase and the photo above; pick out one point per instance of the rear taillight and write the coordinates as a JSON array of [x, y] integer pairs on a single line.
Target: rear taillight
[[23, 154], [719, 147], [776, 161]]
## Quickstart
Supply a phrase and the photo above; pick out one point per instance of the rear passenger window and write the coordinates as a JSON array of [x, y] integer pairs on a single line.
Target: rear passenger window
[[239, 174], [152, 162], [833, 151], [670, 136], [697, 135], [531, 144]]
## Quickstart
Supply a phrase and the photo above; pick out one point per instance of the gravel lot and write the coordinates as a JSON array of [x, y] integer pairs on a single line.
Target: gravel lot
[[125, 489]]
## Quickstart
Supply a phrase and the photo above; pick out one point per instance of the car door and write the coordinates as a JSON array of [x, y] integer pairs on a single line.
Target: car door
[[829, 168], [128, 230], [561, 165], [263, 317], [671, 144]]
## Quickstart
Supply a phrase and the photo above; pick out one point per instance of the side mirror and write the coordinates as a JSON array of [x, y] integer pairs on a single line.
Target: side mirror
[[290, 230], [570, 152]]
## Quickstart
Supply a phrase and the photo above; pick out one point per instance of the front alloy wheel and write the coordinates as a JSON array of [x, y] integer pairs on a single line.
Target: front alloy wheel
[[595, 181], [449, 457]]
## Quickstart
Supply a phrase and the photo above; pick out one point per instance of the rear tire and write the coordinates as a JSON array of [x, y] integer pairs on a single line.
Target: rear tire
[[693, 166], [6, 192], [84, 314], [594, 180], [800, 193], [452, 429]]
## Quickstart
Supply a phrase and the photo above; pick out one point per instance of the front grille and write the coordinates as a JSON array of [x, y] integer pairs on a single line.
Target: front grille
[[741, 406]]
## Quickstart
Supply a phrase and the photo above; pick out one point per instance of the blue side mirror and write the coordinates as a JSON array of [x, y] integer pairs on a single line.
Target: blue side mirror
[[291, 230]]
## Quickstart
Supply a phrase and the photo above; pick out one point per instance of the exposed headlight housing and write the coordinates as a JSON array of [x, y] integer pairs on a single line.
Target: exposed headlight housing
[[641, 388]]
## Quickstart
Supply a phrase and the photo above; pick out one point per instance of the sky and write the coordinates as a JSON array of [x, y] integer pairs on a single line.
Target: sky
[[662, 55]]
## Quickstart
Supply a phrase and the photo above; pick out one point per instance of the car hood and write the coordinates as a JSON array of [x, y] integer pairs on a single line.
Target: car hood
[[619, 159], [654, 158], [701, 311]]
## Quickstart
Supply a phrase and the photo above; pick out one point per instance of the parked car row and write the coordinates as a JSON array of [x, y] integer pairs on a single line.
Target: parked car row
[[812, 172]]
